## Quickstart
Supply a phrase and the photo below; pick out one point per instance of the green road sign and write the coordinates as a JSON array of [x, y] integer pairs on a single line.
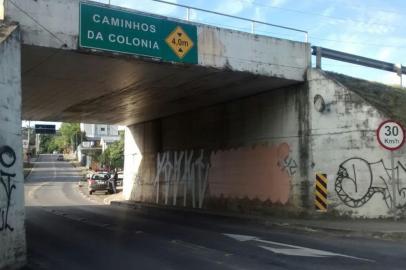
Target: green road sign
[[117, 30], [45, 129]]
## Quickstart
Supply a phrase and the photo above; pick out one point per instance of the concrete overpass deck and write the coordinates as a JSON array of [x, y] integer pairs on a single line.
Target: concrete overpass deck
[[63, 81]]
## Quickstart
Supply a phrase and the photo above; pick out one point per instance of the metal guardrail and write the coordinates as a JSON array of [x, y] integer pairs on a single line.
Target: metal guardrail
[[253, 22], [320, 52]]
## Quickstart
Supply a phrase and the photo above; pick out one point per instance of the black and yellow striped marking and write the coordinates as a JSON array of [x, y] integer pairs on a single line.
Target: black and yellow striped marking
[[320, 201]]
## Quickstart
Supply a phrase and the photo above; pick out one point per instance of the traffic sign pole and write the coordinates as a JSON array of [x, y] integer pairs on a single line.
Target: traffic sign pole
[[394, 180], [391, 136]]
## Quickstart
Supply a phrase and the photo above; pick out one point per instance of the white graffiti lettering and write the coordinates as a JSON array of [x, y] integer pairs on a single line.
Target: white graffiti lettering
[[177, 169]]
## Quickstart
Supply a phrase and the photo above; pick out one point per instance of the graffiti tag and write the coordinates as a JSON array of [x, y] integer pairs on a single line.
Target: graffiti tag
[[7, 160], [289, 165], [182, 168], [285, 161], [359, 180]]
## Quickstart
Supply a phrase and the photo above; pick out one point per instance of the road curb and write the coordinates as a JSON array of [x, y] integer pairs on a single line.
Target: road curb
[[31, 169], [85, 195], [151, 209]]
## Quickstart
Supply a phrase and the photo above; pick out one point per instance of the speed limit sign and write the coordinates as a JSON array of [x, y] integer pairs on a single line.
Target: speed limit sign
[[390, 135]]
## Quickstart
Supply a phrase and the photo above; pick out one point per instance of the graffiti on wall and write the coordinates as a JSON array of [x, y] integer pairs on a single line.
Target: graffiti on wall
[[262, 172], [182, 169], [286, 162], [7, 160], [359, 180]]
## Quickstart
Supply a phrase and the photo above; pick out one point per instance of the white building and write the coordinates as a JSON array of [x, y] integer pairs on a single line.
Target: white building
[[97, 132], [98, 137]]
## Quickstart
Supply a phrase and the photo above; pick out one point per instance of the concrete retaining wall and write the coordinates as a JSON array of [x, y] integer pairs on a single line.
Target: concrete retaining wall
[[261, 154], [12, 229], [244, 156], [345, 147]]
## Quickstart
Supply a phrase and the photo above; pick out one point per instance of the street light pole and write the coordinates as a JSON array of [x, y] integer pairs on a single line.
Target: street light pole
[[29, 134]]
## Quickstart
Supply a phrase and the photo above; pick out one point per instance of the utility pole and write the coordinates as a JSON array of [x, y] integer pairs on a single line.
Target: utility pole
[[76, 141], [27, 150], [29, 134], [37, 143]]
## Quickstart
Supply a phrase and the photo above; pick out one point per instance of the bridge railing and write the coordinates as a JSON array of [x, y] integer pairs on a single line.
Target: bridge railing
[[253, 23]]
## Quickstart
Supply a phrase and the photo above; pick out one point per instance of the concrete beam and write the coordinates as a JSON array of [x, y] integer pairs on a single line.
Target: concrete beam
[[62, 82], [55, 24]]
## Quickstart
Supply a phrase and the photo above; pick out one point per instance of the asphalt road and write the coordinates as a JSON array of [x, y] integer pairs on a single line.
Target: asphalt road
[[67, 231]]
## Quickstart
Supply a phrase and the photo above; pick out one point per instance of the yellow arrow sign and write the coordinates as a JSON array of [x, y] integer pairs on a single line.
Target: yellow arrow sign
[[179, 42]]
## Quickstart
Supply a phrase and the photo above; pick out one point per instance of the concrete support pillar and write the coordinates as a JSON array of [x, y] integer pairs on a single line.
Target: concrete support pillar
[[141, 144], [132, 161], [12, 211]]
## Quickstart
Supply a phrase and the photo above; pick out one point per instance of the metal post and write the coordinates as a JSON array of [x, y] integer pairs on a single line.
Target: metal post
[[253, 27], [188, 14], [29, 134], [37, 144], [306, 37], [318, 57], [393, 185], [398, 69]]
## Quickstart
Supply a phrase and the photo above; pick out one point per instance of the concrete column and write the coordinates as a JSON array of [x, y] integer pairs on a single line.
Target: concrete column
[[141, 143], [12, 211], [132, 161]]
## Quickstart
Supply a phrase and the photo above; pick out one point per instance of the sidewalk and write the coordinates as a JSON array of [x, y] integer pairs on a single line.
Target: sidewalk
[[378, 228]]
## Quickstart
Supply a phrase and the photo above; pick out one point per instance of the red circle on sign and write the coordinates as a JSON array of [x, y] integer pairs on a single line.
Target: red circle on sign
[[379, 139]]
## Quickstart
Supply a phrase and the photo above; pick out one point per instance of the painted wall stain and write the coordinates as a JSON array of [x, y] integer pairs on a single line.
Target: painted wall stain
[[261, 172]]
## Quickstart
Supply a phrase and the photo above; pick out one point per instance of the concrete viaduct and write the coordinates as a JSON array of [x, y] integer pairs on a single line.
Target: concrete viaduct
[[220, 119]]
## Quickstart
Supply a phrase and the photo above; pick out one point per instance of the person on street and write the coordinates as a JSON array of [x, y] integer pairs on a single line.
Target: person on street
[[113, 181]]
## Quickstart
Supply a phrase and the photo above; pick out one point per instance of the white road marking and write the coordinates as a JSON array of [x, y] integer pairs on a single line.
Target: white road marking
[[291, 250], [31, 190]]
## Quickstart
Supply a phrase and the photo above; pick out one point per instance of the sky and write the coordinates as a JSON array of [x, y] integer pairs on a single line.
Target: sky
[[370, 28]]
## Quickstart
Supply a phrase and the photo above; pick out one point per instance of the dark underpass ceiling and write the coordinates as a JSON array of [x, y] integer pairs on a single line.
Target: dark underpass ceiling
[[60, 85]]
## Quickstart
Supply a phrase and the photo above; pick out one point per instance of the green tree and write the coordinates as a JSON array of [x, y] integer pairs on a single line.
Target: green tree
[[113, 156], [46, 141], [68, 137], [71, 135], [50, 143]]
